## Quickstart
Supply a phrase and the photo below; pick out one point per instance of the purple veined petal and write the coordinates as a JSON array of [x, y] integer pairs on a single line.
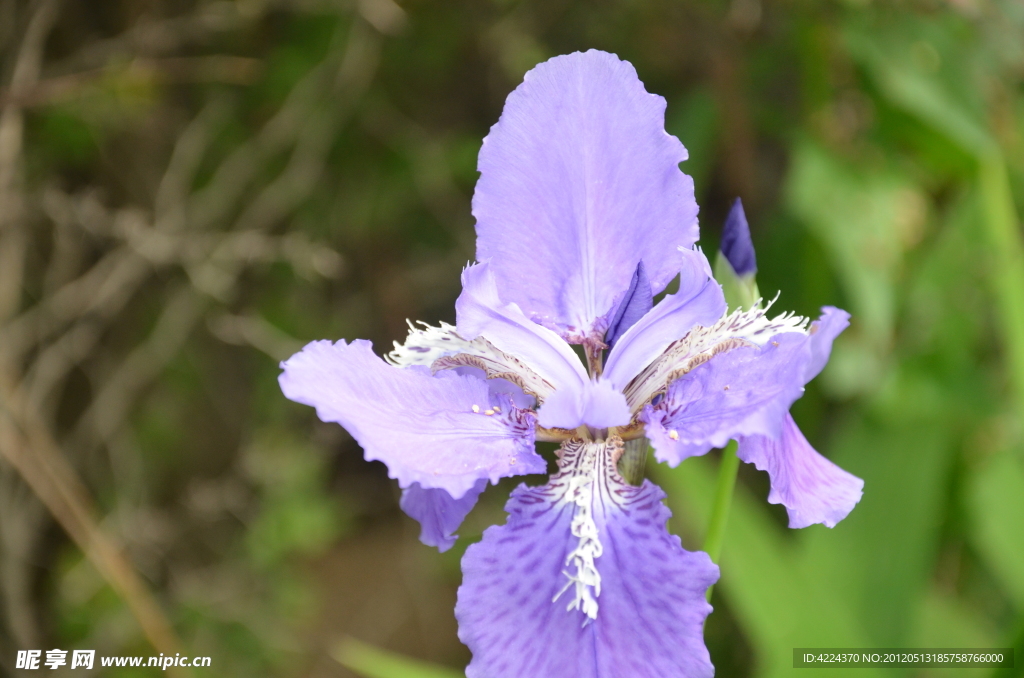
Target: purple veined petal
[[438, 514], [746, 390], [823, 332], [584, 581], [812, 488], [597, 403], [481, 313], [699, 301], [431, 430], [737, 246], [740, 328], [635, 305], [579, 182], [442, 348]]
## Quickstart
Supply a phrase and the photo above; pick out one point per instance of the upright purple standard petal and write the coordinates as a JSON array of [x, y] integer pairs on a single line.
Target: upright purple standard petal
[[579, 182], [635, 305], [442, 431], [439, 515], [519, 613], [699, 301], [736, 245], [812, 488]]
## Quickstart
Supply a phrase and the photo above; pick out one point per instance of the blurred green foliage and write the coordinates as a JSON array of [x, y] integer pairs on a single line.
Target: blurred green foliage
[[877, 147]]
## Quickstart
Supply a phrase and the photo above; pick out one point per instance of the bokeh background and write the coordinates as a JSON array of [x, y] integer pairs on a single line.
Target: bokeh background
[[190, 190]]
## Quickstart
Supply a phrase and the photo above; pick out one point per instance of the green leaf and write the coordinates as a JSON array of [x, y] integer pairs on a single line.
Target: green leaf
[[880, 557], [865, 218], [945, 621], [778, 602], [920, 94], [373, 662], [997, 516]]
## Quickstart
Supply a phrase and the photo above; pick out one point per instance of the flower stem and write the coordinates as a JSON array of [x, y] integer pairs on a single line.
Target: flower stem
[[1006, 266], [633, 460], [723, 500]]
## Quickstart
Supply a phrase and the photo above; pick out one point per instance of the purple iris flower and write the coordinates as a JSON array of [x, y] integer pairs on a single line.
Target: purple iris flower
[[582, 217]]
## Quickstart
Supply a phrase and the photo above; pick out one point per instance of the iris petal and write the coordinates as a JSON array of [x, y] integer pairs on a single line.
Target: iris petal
[[651, 599], [635, 305], [579, 182], [699, 301], [439, 515], [743, 391], [597, 404], [482, 313], [424, 428], [812, 488]]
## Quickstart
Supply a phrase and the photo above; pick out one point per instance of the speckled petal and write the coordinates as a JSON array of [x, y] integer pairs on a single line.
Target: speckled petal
[[650, 607], [431, 430], [579, 182]]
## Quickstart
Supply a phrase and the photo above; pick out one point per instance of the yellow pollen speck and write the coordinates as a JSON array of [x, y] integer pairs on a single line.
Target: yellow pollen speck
[[488, 412], [476, 408], [674, 435], [775, 343], [726, 388], [497, 409], [512, 461]]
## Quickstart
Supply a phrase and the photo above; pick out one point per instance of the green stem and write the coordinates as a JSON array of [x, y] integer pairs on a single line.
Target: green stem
[[1006, 267], [633, 460], [723, 500]]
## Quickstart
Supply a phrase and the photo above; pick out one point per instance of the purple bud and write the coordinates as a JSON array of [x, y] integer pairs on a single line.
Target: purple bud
[[736, 244], [637, 302]]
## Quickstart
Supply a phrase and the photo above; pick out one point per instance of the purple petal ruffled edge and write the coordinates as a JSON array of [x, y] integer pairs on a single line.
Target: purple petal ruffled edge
[[438, 514], [512, 605], [812, 488], [579, 182], [434, 430]]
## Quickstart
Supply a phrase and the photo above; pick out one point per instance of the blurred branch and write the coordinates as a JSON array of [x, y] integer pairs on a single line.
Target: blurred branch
[[13, 239], [26, 444], [25, 441], [256, 332], [154, 36], [22, 520], [103, 258], [119, 392], [231, 70]]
